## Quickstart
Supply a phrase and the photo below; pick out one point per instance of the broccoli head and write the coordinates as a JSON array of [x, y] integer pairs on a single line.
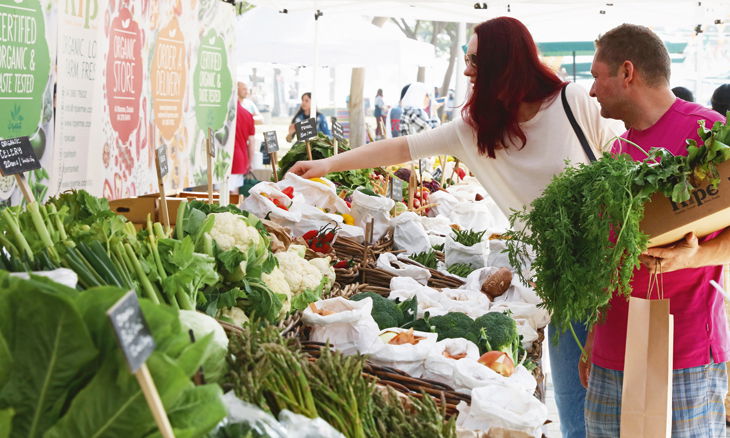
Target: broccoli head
[[455, 325], [385, 312], [409, 309], [498, 332]]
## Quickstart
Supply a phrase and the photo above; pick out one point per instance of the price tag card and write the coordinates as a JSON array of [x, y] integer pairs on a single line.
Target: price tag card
[[131, 329], [396, 189], [17, 156], [337, 131], [306, 129], [272, 143], [162, 160]]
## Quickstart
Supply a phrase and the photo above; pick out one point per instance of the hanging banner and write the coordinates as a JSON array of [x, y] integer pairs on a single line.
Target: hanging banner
[[168, 75], [138, 68], [80, 33], [26, 86]]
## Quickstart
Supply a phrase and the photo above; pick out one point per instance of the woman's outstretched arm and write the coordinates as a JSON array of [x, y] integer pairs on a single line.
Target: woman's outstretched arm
[[380, 153]]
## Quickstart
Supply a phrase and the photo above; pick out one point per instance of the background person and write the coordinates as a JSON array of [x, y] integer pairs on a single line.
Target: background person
[[243, 148], [514, 135], [415, 117], [721, 99], [683, 93], [303, 114], [379, 114]]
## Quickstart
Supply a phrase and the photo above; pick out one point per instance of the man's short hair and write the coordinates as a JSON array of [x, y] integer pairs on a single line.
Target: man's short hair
[[641, 46]]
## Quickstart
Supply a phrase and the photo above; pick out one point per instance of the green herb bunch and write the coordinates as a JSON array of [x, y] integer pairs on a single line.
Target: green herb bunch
[[468, 237], [582, 235], [426, 258], [460, 269]]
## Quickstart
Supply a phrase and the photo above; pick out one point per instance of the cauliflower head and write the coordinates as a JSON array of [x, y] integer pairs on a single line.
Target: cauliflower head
[[324, 267], [299, 273], [276, 281], [231, 231]]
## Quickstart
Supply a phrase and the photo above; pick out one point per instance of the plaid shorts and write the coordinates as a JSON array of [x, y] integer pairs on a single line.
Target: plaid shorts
[[698, 410]]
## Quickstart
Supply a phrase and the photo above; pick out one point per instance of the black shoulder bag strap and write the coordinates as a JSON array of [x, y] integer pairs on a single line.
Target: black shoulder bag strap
[[576, 127]]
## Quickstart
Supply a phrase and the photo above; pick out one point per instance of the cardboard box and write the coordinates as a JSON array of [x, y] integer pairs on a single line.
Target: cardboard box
[[135, 209], [707, 211]]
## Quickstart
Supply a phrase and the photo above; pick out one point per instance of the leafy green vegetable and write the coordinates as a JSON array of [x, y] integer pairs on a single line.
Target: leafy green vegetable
[[454, 325], [499, 332], [468, 237], [385, 312], [72, 379], [426, 258], [460, 269], [322, 147], [51, 366]]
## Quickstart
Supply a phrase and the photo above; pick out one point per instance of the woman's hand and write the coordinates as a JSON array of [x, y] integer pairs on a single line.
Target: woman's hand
[[310, 169]]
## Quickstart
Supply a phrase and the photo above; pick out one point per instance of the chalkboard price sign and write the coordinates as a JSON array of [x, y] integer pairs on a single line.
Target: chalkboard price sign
[[306, 129], [131, 329], [272, 143], [17, 156], [396, 189], [337, 131], [162, 160]]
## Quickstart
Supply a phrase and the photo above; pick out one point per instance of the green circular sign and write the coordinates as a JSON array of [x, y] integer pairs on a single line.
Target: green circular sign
[[25, 66], [212, 83]]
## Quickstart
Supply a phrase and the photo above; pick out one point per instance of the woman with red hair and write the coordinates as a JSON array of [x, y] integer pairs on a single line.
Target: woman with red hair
[[520, 124]]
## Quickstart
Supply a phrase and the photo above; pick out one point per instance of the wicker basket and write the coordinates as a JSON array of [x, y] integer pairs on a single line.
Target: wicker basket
[[378, 277], [350, 249], [348, 275]]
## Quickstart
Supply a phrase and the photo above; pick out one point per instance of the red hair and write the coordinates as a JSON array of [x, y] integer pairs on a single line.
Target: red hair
[[509, 72]]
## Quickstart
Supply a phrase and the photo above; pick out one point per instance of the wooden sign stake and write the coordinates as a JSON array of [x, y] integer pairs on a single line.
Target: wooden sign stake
[[309, 150], [456, 166], [443, 169], [153, 400], [411, 189], [163, 197], [24, 187], [137, 344], [209, 143], [337, 147], [273, 157]]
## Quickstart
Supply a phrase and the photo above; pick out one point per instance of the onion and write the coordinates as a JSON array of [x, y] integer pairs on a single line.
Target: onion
[[499, 362]]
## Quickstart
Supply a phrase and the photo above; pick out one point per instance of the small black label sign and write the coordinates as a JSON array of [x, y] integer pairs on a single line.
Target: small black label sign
[[272, 143], [131, 329], [396, 189], [306, 129], [337, 131], [17, 156], [162, 160]]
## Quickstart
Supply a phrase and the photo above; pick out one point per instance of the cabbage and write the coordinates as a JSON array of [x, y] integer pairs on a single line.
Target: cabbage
[[214, 365]]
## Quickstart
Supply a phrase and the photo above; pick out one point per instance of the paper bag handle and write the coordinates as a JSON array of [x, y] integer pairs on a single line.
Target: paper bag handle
[[656, 281]]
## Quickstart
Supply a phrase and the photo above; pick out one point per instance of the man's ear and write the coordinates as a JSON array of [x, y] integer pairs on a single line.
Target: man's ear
[[628, 71]]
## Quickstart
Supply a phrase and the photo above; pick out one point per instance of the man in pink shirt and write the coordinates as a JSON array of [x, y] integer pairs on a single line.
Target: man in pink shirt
[[631, 70]]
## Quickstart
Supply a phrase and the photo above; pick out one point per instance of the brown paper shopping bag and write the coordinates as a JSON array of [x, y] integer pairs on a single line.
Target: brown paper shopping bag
[[646, 405]]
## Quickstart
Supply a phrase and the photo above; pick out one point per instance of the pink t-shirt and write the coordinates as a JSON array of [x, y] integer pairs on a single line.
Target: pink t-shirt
[[700, 328]]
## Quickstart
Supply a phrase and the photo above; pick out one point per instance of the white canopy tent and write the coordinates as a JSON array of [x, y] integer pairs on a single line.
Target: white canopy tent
[[302, 37], [274, 37]]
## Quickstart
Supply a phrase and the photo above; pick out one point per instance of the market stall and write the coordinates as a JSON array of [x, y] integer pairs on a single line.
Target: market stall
[[381, 302]]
